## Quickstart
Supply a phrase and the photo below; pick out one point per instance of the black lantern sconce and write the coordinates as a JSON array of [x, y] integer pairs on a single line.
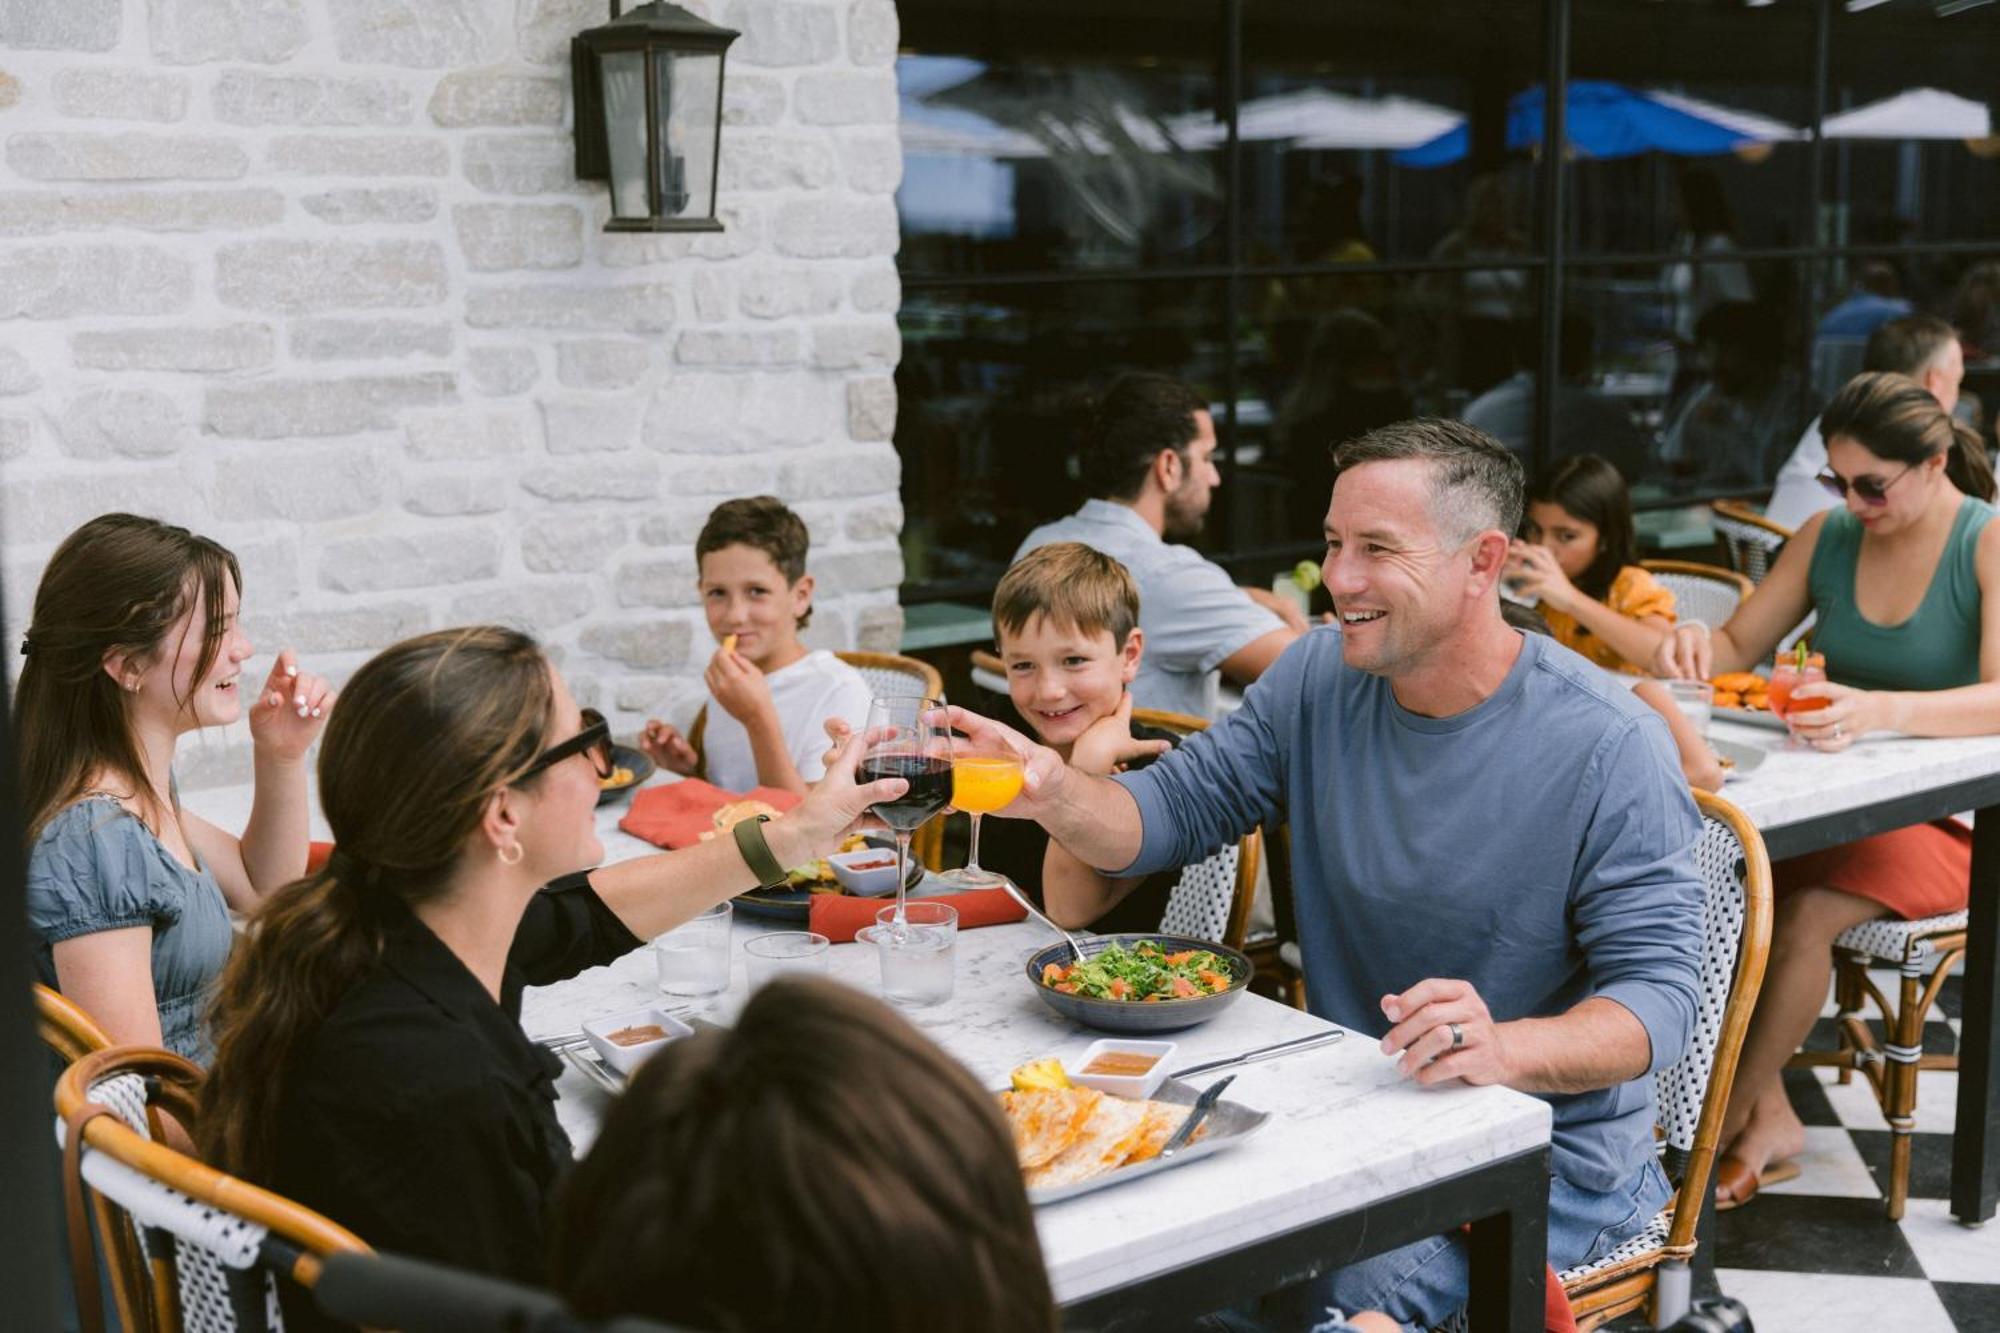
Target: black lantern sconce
[[648, 90]]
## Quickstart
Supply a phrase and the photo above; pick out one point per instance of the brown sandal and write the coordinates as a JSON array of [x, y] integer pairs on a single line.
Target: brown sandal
[[1736, 1184]]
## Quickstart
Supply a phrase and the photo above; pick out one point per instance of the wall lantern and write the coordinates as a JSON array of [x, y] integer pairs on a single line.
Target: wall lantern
[[648, 90]]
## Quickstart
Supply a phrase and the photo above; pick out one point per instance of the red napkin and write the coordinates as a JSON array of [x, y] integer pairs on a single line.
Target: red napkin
[[676, 814], [838, 916]]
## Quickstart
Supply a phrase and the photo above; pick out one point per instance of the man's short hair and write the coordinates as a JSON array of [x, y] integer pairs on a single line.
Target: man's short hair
[[763, 523], [1908, 345], [1476, 484], [1069, 584], [1124, 429]]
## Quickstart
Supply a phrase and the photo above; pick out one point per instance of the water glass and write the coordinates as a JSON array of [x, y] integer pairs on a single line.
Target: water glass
[[693, 957], [783, 952], [919, 954], [1695, 699]]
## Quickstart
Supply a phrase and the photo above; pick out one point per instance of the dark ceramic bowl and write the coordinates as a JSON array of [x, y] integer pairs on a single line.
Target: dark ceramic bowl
[[1139, 1015], [624, 756]]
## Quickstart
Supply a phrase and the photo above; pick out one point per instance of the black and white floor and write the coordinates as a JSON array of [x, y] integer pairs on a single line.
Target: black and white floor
[[1816, 1254]]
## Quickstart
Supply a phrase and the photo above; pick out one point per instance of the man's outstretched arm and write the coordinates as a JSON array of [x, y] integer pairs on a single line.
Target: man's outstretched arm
[[1095, 818]]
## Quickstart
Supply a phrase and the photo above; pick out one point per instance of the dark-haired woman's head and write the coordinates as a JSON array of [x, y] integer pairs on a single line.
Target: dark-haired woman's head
[[1583, 513], [457, 767], [823, 1166], [133, 630], [1890, 445]]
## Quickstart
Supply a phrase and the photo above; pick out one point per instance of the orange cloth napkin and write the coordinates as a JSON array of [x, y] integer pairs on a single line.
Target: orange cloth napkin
[[676, 814], [838, 917]]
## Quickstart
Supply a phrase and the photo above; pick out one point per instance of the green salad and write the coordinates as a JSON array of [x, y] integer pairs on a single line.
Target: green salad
[[1143, 973]]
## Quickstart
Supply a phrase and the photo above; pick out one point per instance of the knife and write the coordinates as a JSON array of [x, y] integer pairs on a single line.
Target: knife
[[1202, 1106], [1272, 1051]]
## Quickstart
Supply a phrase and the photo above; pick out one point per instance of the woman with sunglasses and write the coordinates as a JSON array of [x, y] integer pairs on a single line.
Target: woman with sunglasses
[[1905, 583], [369, 1056]]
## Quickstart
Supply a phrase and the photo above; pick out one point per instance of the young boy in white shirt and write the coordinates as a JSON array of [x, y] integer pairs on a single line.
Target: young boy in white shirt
[[769, 698]]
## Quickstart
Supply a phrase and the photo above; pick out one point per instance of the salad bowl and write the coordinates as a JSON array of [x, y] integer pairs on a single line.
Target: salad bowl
[[1138, 1015]]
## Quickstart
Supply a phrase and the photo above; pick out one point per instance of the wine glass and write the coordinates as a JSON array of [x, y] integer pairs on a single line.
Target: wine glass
[[982, 780], [904, 742]]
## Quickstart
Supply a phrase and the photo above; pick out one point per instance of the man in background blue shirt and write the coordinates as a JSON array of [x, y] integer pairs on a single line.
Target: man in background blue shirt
[[1492, 847]]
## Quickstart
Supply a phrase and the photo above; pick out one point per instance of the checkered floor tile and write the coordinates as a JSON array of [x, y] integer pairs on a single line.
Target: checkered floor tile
[[1817, 1254]]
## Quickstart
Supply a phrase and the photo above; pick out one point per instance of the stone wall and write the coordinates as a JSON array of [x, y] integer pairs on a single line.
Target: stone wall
[[314, 277]]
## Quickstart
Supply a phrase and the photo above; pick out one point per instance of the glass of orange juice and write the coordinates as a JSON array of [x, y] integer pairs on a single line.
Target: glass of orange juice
[[982, 781]]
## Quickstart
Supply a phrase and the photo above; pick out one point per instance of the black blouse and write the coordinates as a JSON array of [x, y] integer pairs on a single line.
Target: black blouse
[[419, 1115], [1015, 848]]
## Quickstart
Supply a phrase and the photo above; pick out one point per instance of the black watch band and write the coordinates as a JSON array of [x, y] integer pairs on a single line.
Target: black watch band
[[757, 852]]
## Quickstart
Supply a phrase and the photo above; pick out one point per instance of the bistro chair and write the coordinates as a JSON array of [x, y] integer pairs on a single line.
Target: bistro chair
[[989, 673], [1751, 540], [65, 1028], [1692, 1094], [1212, 900], [1924, 951], [1707, 593], [207, 1246], [886, 674]]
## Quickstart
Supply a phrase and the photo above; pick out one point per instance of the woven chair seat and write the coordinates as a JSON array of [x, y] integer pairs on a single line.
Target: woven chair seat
[[1901, 942], [1643, 1251]]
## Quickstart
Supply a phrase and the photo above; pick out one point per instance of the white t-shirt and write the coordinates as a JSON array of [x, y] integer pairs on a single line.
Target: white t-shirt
[[808, 692], [1798, 494]]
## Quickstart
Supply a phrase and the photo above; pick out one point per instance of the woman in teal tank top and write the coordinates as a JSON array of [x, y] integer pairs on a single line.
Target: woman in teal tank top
[[1903, 581]]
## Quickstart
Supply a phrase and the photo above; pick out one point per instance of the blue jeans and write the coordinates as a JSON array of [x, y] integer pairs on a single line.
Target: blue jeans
[[1424, 1283]]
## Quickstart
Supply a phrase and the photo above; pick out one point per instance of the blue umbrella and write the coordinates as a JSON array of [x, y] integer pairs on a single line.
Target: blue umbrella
[[1604, 119]]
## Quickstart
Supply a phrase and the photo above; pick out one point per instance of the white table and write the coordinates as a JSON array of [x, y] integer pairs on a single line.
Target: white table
[[1802, 801], [1355, 1159]]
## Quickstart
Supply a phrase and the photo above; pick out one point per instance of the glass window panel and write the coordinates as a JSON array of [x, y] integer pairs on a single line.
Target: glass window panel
[[689, 87], [1044, 135], [625, 130]]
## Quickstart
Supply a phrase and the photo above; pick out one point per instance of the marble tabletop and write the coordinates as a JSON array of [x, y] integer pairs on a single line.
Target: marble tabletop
[[1794, 785], [1346, 1129]]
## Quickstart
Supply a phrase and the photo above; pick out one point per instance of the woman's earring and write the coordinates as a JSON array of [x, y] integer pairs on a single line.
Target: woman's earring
[[513, 860]]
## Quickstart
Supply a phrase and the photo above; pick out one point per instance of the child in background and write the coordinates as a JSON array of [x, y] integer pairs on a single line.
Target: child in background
[[1579, 558], [769, 697], [1067, 621]]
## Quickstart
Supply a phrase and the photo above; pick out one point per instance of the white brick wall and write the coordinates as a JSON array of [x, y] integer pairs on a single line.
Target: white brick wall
[[314, 277]]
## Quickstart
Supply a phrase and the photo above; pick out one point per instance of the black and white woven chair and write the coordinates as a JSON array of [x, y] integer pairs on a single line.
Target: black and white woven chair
[[1708, 593], [1212, 899], [1692, 1094], [1924, 951], [211, 1245], [1751, 540]]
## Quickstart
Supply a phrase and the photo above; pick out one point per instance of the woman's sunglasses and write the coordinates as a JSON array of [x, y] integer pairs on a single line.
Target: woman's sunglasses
[[594, 740], [1870, 490]]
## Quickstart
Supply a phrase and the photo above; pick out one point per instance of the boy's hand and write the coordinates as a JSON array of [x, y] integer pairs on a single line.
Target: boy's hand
[[1107, 744], [668, 748], [735, 683]]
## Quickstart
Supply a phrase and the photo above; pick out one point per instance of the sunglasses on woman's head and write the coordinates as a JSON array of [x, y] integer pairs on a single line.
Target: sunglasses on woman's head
[[1869, 489], [594, 740]]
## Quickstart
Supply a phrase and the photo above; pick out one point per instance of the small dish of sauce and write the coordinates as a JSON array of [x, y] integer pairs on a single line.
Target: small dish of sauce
[[637, 1035], [1117, 1064]]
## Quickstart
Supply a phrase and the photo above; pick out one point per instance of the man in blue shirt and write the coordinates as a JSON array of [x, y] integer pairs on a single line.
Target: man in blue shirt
[[1492, 847]]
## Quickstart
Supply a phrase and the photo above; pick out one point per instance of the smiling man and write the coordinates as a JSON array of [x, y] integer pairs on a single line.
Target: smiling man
[[1438, 768]]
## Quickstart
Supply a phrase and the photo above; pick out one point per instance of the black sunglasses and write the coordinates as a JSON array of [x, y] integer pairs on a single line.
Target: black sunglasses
[[594, 740], [1870, 490]]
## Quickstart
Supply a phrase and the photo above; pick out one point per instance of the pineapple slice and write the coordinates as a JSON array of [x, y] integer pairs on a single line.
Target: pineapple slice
[[1040, 1074]]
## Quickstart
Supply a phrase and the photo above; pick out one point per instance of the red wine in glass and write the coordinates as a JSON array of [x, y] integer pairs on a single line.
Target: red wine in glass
[[907, 739]]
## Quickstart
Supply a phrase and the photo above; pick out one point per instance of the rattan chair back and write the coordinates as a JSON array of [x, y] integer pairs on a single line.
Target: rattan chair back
[[1751, 541], [210, 1243], [1708, 593], [65, 1028], [1212, 899], [1693, 1093]]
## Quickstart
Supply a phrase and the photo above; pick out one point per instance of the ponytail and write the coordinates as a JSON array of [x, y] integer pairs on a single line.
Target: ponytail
[[1968, 465]]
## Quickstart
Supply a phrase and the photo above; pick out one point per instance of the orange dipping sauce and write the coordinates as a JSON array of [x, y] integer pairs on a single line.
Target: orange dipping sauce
[[1121, 1064], [636, 1036]]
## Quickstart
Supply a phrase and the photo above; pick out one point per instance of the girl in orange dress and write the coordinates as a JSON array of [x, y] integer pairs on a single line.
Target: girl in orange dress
[[1577, 555]]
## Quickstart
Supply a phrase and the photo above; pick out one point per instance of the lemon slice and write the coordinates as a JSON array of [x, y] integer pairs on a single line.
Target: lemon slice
[[1306, 575], [1040, 1074]]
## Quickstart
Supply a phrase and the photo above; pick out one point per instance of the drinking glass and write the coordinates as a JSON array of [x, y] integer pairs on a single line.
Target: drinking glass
[[981, 782], [919, 954], [784, 951], [1696, 700], [693, 957], [904, 742], [1789, 670]]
